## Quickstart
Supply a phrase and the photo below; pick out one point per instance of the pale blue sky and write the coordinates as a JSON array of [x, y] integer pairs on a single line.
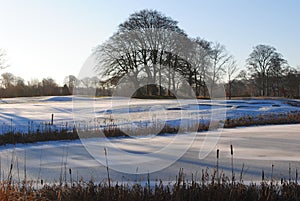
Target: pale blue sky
[[53, 38]]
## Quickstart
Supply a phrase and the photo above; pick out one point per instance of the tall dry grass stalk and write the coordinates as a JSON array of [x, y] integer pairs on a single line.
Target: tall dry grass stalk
[[107, 167]]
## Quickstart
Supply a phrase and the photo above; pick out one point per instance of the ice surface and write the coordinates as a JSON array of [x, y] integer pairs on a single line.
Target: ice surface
[[257, 147]]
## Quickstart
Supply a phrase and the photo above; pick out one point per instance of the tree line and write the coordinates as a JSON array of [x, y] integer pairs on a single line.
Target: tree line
[[156, 57], [151, 54], [13, 86], [151, 48]]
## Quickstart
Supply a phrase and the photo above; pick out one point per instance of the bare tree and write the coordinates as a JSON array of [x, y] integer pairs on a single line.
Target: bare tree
[[195, 64], [290, 82], [71, 81], [117, 58], [2, 63], [8, 80], [262, 62], [204, 50], [231, 70], [140, 49], [219, 59], [89, 82], [49, 86]]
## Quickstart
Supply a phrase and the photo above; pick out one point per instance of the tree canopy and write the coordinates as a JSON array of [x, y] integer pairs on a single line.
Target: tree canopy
[[150, 49], [265, 62], [150, 55]]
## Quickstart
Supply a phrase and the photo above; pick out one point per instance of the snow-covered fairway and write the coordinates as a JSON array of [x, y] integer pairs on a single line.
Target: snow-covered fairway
[[257, 147]]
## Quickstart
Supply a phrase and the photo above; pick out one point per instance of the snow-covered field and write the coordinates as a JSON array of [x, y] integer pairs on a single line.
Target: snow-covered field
[[25, 114], [257, 147]]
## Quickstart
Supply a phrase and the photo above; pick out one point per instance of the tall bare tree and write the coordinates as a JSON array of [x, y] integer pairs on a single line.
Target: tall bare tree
[[231, 70], [262, 62], [196, 63], [204, 49], [219, 59], [141, 48]]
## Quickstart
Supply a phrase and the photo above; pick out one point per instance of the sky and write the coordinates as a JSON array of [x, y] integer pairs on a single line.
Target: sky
[[53, 38]]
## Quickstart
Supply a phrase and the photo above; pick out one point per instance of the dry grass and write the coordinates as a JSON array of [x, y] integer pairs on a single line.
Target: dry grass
[[209, 187], [267, 119]]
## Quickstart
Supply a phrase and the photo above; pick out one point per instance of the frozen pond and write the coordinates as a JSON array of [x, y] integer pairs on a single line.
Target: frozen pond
[[257, 147]]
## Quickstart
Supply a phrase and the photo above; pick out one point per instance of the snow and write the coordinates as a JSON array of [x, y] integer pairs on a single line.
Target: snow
[[257, 147], [24, 114]]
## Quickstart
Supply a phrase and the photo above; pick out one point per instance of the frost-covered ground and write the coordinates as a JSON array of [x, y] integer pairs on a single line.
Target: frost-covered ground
[[29, 114], [257, 147]]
